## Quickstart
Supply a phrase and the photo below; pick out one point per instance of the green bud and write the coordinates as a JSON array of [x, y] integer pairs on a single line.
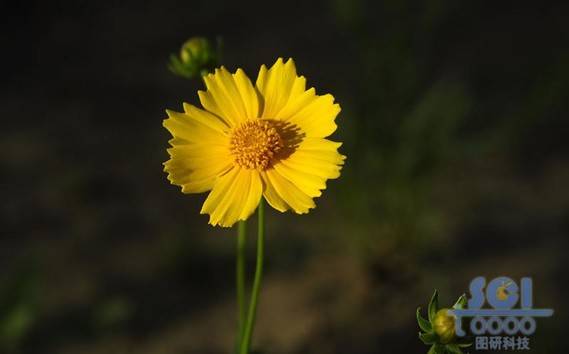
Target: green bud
[[443, 325], [196, 49], [197, 58]]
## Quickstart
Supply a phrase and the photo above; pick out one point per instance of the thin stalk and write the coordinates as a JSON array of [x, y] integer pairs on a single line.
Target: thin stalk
[[248, 333], [240, 277]]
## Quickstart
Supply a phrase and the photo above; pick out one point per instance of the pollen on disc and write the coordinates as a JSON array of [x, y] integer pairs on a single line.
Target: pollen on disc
[[255, 143]]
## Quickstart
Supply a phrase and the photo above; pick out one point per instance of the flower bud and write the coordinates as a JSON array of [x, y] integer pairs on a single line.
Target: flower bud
[[443, 324], [197, 58]]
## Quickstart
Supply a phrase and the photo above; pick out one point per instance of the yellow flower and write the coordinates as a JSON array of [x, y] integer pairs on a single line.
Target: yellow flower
[[253, 141]]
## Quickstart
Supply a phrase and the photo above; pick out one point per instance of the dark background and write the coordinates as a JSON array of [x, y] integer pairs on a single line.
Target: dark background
[[454, 123]]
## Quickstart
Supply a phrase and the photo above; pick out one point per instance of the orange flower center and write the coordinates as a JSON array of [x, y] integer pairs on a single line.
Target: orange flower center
[[255, 143]]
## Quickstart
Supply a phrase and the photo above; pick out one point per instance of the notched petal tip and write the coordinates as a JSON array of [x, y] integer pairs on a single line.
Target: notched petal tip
[[187, 107], [209, 75], [170, 113], [337, 105], [221, 224], [214, 222], [304, 211], [290, 65]]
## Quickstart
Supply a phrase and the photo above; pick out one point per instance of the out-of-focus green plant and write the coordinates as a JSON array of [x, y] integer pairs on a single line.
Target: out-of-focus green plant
[[197, 58], [438, 331], [17, 310], [112, 313]]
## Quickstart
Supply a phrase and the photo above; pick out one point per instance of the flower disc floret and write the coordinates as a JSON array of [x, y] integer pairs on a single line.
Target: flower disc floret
[[255, 143]]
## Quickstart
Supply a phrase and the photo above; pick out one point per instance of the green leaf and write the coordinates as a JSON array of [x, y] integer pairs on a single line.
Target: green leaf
[[423, 323], [179, 68], [428, 338], [433, 306], [453, 348], [175, 65], [437, 349], [460, 303]]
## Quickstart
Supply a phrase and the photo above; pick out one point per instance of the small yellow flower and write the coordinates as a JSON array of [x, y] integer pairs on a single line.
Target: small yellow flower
[[253, 141]]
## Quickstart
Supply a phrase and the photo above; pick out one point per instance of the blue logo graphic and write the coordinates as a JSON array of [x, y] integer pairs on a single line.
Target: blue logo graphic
[[502, 294]]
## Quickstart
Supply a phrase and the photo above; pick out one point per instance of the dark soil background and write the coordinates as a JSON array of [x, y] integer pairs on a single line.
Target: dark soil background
[[455, 126]]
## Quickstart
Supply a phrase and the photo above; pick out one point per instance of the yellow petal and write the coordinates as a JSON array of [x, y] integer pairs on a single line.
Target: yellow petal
[[318, 157], [248, 94], [253, 196], [195, 167], [231, 97], [272, 196], [194, 127], [278, 85], [206, 118], [294, 198], [285, 98], [310, 184], [311, 165], [320, 149], [314, 115], [234, 197], [200, 149]]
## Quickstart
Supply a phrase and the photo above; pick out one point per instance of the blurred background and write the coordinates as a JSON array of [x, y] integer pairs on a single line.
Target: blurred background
[[454, 124]]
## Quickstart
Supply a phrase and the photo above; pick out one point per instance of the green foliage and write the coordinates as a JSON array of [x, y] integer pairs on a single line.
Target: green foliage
[[112, 312], [423, 323], [433, 306], [460, 303], [18, 309]]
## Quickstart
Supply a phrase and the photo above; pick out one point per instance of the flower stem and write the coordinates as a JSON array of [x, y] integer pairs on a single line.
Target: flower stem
[[248, 333], [240, 277]]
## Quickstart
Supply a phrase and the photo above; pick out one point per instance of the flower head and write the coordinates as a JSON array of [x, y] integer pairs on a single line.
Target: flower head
[[249, 142]]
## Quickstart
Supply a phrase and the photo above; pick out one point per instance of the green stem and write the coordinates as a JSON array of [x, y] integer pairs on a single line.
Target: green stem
[[240, 276], [246, 339]]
